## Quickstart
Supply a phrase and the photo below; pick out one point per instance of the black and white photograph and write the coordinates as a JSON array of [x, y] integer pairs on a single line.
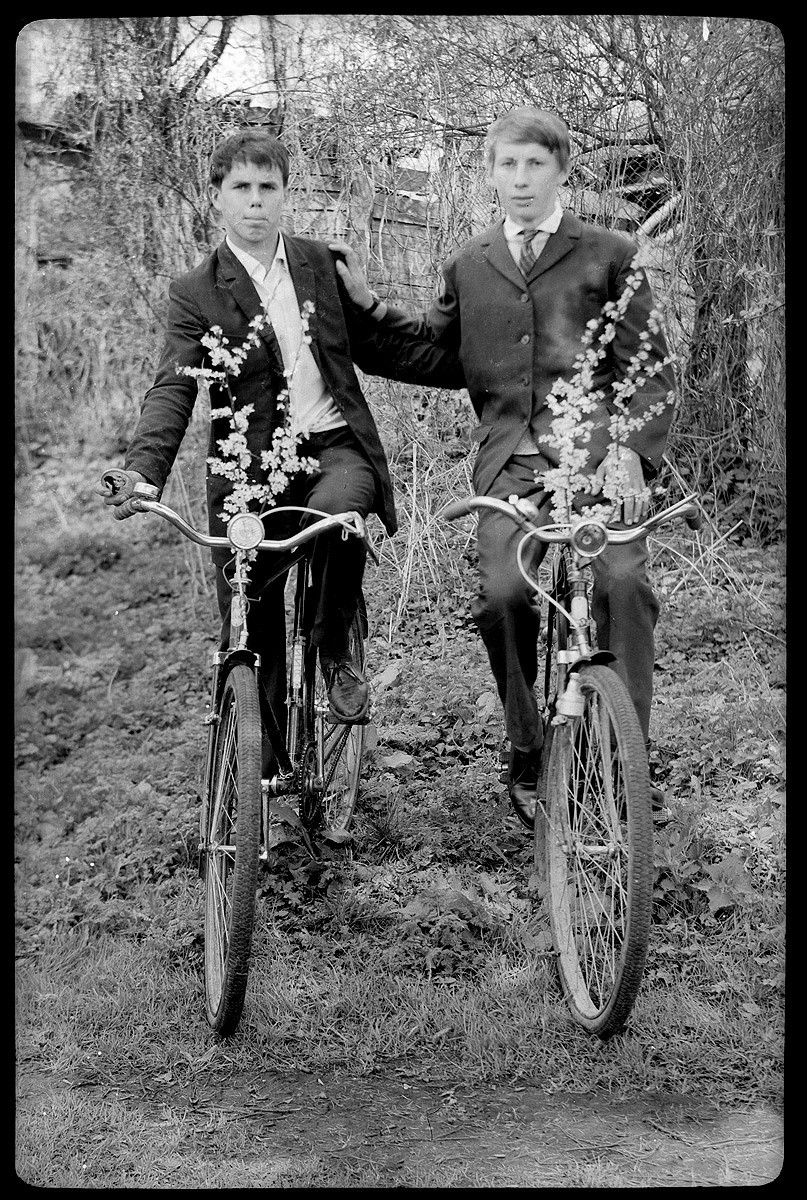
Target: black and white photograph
[[400, 657]]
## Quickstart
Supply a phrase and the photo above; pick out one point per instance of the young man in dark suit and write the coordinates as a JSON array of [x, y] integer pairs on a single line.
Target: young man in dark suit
[[258, 270], [514, 305]]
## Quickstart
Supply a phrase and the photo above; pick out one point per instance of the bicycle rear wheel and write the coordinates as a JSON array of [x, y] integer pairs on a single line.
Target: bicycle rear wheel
[[231, 848], [599, 853], [333, 807]]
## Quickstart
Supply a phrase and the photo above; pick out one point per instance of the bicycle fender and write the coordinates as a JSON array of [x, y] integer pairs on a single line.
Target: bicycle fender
[[605, 657], [236, 656], [229, 659], [276, 739]]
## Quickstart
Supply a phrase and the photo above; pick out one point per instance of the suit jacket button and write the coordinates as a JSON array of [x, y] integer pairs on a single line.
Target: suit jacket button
[[524, 297], [525, 339]]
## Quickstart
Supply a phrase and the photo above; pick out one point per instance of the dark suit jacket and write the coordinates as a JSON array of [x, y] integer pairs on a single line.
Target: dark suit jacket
[[220, 292], [514, 338]]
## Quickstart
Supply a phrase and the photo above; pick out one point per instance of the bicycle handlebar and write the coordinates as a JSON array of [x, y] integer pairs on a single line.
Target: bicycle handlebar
[[688, 508], [352, 522]]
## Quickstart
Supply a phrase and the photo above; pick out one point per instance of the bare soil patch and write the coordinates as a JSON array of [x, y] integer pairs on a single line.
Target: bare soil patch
[[507, 1136]]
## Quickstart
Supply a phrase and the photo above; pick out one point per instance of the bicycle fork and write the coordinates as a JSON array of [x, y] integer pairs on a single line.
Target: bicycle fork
[[569, 698], [211, 721]]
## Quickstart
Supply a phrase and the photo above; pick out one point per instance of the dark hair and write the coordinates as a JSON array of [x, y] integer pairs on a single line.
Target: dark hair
[[530, 124], [249, 146]]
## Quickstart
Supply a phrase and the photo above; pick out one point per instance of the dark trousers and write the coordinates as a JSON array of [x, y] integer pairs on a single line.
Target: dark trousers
[[624, 607], [344, 482]]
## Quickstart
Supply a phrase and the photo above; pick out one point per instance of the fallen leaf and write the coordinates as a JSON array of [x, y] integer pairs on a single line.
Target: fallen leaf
[[398, 758], [386, 678]]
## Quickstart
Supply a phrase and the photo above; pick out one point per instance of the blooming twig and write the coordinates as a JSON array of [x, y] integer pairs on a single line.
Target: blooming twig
[[574, 400], [257, 480]]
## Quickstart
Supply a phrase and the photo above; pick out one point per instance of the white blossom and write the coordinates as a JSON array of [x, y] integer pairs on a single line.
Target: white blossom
[[275, 466], [573, 400]]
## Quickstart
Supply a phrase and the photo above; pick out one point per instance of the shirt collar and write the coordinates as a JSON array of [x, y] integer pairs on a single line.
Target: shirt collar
[[549, 224], [255, 269]]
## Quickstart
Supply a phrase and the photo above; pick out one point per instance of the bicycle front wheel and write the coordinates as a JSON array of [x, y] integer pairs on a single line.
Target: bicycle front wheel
[[231, 849], [599, 853]]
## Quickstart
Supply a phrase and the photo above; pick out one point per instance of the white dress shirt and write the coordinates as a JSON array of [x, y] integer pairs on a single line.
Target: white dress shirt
[[312, 407], [549, 225]]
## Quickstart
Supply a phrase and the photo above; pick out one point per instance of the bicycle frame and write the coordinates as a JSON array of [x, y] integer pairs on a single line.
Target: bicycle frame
[[242, 807], [244, 535], [579, 542], [592, 822]]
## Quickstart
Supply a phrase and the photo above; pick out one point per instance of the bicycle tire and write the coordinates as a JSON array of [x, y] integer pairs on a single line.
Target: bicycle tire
[[599, 853], [231, 848], [333, 808]]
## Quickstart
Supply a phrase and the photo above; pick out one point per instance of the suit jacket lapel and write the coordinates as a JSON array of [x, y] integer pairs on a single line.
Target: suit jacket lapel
[[305, 285], [558, 245], [235, 278], [499, 256]]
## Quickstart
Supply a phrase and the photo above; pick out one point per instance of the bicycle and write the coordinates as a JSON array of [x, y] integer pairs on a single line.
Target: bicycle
[[312, 757], [593, 838]]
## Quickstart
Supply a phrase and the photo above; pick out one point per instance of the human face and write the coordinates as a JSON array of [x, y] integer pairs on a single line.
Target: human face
[[526, 176], [250, 200]]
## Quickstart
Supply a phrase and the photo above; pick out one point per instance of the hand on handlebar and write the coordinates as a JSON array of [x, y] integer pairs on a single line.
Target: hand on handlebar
[[624, 466], [116, 487]]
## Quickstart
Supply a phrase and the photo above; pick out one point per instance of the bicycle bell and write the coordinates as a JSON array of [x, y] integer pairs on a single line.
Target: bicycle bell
[[245, 531], [589, 538]]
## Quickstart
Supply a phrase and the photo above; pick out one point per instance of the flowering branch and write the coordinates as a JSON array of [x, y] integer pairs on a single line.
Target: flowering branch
[[574, 400], [277, 464]]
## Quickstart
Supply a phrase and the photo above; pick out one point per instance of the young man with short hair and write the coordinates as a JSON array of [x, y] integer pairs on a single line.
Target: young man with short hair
[[257, 269], [514, 305]]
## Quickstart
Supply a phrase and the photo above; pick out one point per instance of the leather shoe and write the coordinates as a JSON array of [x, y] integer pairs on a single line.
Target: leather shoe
[[524, 771], [658, 804], [348, 690], [658, 800]]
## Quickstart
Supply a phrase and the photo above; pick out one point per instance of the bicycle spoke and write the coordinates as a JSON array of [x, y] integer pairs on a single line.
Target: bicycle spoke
[[342, 750], [231, 847], [598, 817]]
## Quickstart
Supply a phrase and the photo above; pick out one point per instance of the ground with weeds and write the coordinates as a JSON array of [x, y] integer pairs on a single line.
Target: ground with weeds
[[403, 1026], [393, 1130]]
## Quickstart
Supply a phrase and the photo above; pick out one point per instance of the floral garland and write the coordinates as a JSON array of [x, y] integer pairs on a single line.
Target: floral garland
[[281, 461], [573, 400]]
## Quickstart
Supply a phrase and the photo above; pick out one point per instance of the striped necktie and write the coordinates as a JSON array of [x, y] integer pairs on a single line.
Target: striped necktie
[[527, 257]]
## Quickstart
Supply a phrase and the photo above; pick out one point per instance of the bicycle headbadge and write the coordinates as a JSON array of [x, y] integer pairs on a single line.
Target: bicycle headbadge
[[245, 531], [589, 538]]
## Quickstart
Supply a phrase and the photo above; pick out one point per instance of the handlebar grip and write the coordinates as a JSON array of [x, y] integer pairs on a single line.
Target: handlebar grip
[[113, 481], [116, 480], [457, 508]]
